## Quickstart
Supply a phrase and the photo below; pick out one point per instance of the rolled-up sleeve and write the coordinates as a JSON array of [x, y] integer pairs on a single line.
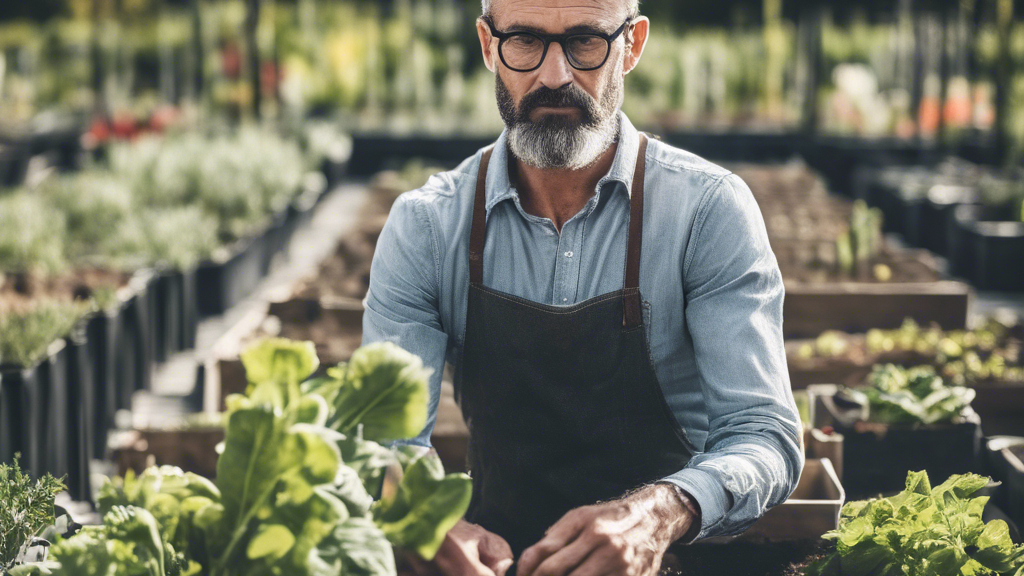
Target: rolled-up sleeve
[[402, 304], [734, 294]]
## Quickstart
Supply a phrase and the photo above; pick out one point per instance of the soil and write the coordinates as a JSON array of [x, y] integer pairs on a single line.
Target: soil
[[743, 559], [346, 273], [803, 221], [21, 288]]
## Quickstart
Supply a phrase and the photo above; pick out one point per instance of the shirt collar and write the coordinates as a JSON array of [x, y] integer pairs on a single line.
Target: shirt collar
[[499, 187]]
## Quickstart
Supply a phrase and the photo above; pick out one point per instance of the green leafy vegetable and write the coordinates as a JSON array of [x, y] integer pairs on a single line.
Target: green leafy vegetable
[[426, 505], [922, 531], [898, 395], [383, 389]]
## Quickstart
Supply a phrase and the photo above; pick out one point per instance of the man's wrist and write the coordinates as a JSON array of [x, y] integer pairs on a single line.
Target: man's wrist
[[686, 509]]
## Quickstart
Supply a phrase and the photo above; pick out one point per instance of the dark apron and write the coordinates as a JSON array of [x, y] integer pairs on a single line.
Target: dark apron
[[562, 402]]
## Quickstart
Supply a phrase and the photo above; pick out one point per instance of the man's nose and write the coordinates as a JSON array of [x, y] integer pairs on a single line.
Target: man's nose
[[555, 71]]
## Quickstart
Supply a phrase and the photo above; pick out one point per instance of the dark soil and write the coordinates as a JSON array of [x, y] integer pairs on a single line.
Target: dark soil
[[346, 273], [743, 559], [20, 288], [803, 222]]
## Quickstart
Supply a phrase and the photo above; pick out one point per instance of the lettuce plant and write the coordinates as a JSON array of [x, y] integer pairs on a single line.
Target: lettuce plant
[[300, 483], [922, 531], [896, 395]]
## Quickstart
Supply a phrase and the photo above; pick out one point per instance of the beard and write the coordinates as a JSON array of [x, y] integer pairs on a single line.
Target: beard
[[559, 141]]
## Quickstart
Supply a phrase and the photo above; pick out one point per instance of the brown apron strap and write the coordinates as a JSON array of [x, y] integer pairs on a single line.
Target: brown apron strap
[[477, 233], [632, 316]]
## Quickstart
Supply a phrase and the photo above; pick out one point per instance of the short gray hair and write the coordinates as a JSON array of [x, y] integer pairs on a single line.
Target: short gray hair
[[632, 5]]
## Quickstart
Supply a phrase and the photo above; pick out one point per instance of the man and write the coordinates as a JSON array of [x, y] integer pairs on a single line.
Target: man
[[611, 306]]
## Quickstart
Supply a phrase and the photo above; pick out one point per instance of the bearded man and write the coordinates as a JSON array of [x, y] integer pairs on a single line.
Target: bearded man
[[612, 309]]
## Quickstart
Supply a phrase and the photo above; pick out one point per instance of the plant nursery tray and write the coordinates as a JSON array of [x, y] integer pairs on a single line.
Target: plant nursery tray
[[226, 281], [810, 309]]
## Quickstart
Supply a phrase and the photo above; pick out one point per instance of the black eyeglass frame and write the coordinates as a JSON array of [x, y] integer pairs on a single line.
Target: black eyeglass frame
[[561, 39]]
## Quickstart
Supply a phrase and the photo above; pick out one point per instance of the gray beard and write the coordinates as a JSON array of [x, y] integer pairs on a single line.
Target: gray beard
[[565, 148], [563, 145]]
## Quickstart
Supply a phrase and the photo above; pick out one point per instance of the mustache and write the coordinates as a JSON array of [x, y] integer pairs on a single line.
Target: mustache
[[569, 95]]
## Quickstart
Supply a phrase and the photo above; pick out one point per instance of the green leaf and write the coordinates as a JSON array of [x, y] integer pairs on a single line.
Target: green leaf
[[138, 527], [426, 505], [272, 542], [385, 389], [368, 459], [947, 560], [279, 365], [267, 464], [865, 559], [357, 547]]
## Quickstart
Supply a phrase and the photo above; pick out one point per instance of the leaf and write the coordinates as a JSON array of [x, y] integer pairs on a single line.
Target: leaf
[[280, 363], [368, 460], [357, 547], [272, 541], [426, 505], [385, 389], [266, 463]]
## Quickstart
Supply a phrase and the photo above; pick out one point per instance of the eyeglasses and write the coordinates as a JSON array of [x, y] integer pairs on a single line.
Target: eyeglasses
[[525, 51]]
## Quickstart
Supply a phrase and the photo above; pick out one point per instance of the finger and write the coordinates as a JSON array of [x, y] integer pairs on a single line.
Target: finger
[[500, 567], [564, 561], [458, 561], [494, 549], [599, 563], [558, 536]]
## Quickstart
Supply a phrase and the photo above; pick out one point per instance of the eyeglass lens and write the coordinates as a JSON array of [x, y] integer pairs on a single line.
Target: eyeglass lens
[[525, 51]]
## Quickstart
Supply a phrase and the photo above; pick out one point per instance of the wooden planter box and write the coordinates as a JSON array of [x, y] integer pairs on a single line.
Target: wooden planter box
[[810, 309], [193, 450]]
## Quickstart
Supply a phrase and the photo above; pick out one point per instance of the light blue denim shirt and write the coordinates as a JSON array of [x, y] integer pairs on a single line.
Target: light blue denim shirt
[[712, 297]]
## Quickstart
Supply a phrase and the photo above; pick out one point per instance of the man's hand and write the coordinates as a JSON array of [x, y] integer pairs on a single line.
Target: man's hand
[[626, 537], [467, 550]]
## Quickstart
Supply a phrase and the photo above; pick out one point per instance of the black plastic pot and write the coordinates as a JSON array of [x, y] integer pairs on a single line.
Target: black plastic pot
[[14, 157], [166, 300], [875, 462], [1015, 483], [876, 457], [937, 211], [103, 335], [988, 252], [189, 309], [276, 240], [222, 284], [134, 346], [80, 416], [997, 467], [38, 423]]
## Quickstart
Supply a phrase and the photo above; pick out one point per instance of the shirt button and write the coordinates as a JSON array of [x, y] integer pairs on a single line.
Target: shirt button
[[568, 254], [565, 299]]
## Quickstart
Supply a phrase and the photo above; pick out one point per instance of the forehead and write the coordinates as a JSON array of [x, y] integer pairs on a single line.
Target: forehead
[[557, 15]]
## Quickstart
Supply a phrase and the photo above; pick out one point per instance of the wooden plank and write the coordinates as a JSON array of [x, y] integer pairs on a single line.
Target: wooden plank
[[809, 310]]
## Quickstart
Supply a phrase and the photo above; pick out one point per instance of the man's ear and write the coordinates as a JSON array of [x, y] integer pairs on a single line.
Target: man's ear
[[484, 33], [641, 27]]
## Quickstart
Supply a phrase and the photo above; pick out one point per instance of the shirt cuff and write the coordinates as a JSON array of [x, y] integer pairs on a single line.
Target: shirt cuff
[[707, 493]]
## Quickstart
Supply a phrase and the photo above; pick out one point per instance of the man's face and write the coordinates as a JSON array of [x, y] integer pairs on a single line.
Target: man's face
[[558, 116]]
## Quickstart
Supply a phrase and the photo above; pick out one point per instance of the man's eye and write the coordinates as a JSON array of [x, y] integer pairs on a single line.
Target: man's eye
[[524, 41]]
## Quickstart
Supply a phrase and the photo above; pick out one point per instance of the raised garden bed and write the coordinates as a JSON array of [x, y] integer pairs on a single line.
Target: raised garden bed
[[838, 270], [193, 449]]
